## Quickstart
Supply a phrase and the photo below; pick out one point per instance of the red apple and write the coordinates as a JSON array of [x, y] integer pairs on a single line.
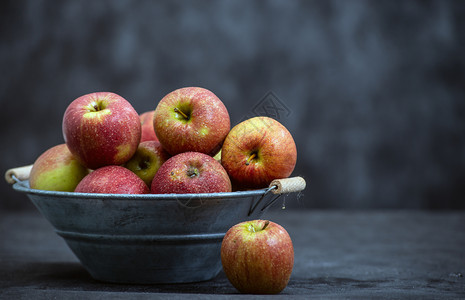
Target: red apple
[[112, 180], [148, 158], [101, 129], [257, 257], [147, 131], [191, 172], [56, 170], [257, 151], [191, 119]]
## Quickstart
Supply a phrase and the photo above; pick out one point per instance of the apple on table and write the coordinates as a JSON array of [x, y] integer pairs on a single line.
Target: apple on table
[[191, 172], [191, 119], [257, 151], [257, 257], [112, 180], [56, 170], [149, 157], [101, 129]]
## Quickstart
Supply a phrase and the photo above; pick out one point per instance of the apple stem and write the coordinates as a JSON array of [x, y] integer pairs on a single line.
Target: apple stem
[[181, 113], [252, 156], [192, 172], [266, 224], [96, 106], [251, 228]]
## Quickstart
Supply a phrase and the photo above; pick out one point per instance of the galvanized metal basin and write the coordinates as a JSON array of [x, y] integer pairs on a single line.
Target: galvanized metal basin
[[143, 239]]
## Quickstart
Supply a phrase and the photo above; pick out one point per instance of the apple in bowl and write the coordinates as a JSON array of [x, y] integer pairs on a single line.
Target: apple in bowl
[[101, 129], [112, 180], [191, 119], [191, 172], [149, 157], [56, 170], [257, 151], [147, 131]]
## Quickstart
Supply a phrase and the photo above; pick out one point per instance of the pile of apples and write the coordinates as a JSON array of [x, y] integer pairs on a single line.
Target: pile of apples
[[184, 145]]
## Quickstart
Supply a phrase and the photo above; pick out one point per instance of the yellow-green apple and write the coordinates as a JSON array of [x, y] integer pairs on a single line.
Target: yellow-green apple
[[218, 156], [257, 151], [148, 158], [112, 180], [257, 257], [191, 172], [56, 170], [101, 129], [191, 119], [147, 131]]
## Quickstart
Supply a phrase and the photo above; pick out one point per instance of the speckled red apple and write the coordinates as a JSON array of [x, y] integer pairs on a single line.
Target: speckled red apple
[[191, 172], [191, 119], [101, 129], [257, 257], [257, 151], [112, 180], [148, 158], [147, 131], [56, 170]]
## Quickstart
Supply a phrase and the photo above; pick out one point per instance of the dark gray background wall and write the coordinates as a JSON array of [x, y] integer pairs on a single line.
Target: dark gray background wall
[[372, 91]]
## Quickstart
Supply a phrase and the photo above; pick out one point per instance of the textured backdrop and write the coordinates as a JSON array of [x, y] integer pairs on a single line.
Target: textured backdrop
[[372, 91]]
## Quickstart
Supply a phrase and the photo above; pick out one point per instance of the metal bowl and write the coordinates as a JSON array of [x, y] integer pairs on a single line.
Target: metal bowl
[[143, 239]]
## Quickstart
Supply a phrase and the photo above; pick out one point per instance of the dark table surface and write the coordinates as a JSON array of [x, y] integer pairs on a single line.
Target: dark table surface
[[338, 254]]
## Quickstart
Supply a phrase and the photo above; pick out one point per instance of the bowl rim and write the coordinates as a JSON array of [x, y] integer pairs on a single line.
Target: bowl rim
[[23, 187]]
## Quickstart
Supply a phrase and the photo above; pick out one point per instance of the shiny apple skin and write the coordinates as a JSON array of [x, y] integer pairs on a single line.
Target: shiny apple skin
[[274, 148], [203, 131], [101, 129]]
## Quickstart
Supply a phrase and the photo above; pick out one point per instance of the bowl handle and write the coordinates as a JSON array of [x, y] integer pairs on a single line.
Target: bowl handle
[[287, 185], [280, 186], [17, 174]]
